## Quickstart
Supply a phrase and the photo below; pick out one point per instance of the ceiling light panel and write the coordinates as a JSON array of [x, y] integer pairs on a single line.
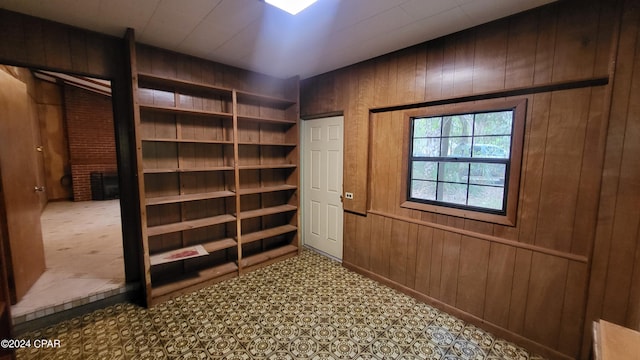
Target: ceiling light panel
[[291, 6]]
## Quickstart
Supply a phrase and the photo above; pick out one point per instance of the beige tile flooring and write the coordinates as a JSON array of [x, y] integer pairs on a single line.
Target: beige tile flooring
[[83, 252]]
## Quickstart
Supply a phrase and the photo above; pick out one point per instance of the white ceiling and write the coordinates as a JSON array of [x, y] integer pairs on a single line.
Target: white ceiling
[[253, 35]]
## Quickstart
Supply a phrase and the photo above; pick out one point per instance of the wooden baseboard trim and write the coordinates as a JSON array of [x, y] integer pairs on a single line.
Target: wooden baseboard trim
[[472, 319]]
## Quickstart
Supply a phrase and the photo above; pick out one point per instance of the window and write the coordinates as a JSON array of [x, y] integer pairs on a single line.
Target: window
[[467, 161]]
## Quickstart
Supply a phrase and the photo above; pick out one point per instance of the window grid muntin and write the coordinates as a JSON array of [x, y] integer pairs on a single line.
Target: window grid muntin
[[470, 160]]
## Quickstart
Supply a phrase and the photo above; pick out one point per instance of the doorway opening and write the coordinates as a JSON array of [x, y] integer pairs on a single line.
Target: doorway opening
[[72, 135]]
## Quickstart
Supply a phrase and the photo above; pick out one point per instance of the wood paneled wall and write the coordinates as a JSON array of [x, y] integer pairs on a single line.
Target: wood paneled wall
[[531, 282], [614, 294]]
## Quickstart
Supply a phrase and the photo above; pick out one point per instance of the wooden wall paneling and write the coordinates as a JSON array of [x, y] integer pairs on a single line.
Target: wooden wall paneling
[[379, 161], [500, 275], [420, 77], [78, 51], [450, 267], [561, 172], [533, 165], [576, 41], [381, 81], [608, 33], [398, 251], [34, 40], [398, 162], [490, 56], [545, 45], [365, 93], [520, 290], [412, 245], [406, 76], [362, 242], [633, 312], [472, 275], [572, 320], [521, 49], [424, 251], [620, 100], [465, 48], [350, 238], [350, 151], [547, 286], [13, 44], [56, 47], [434, 72], [437, 246], [590, 176], [379, 252]]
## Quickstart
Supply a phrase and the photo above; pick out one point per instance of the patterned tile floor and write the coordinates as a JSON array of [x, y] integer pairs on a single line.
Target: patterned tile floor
[[307, 307]]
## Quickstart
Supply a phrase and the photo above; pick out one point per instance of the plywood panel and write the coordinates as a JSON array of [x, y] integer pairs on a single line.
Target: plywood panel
[[521, 44], [561, 174], [489, 65], [423, 259], [472, 275], [545, 299], [500, 275], [363, 241]]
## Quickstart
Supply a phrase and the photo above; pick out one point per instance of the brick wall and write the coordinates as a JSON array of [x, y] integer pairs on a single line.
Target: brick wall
[[91, 135]]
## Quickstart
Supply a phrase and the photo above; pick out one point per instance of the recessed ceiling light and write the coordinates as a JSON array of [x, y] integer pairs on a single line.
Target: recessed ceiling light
[[291, 6]]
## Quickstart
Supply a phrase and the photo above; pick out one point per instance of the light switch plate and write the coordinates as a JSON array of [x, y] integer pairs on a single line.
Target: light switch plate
[[348, 195]]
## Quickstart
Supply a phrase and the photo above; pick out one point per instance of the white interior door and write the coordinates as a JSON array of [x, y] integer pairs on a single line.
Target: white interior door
[[322, 184]]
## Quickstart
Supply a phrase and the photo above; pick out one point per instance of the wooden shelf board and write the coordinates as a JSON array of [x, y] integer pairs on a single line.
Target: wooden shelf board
[[177, 110], [267, 255], [267, 233], [188, 197], [188, 225], [278, 101], [267, 189], [177, 170], [268, 166], [193, 279], [188, 141], [218, 245], [173, 84], [267, 144], [267, 211], [264, 119]]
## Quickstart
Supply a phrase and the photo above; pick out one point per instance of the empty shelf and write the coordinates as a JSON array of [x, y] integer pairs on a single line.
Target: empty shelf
[[267, 233], [177, 110], [266, 211], [217, 245], [265, 119], [188, 225], [267, 144], [267, 189], [268, 166], [277, 101], [194, 141], [188, 197], [174, 170], [172, 84]]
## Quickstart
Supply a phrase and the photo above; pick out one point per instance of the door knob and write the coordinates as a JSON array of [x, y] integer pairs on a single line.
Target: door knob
[[39, 188]]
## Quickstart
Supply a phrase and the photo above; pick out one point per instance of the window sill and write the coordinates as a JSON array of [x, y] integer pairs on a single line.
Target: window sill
[[466, 214]]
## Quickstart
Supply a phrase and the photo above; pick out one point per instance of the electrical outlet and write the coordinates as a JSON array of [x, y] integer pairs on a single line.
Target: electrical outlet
[[348, 195]]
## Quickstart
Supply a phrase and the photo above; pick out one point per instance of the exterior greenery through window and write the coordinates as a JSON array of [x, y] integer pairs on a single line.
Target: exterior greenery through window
[[462, 160]]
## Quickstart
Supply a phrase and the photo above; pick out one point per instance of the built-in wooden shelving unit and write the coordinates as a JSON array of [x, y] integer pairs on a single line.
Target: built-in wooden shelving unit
[[219, 172]]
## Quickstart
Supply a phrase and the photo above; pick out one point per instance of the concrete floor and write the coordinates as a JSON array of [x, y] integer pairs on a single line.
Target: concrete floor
[[83, 252]]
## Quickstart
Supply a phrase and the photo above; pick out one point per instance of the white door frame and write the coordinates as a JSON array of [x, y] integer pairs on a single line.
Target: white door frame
[[303, 168]]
